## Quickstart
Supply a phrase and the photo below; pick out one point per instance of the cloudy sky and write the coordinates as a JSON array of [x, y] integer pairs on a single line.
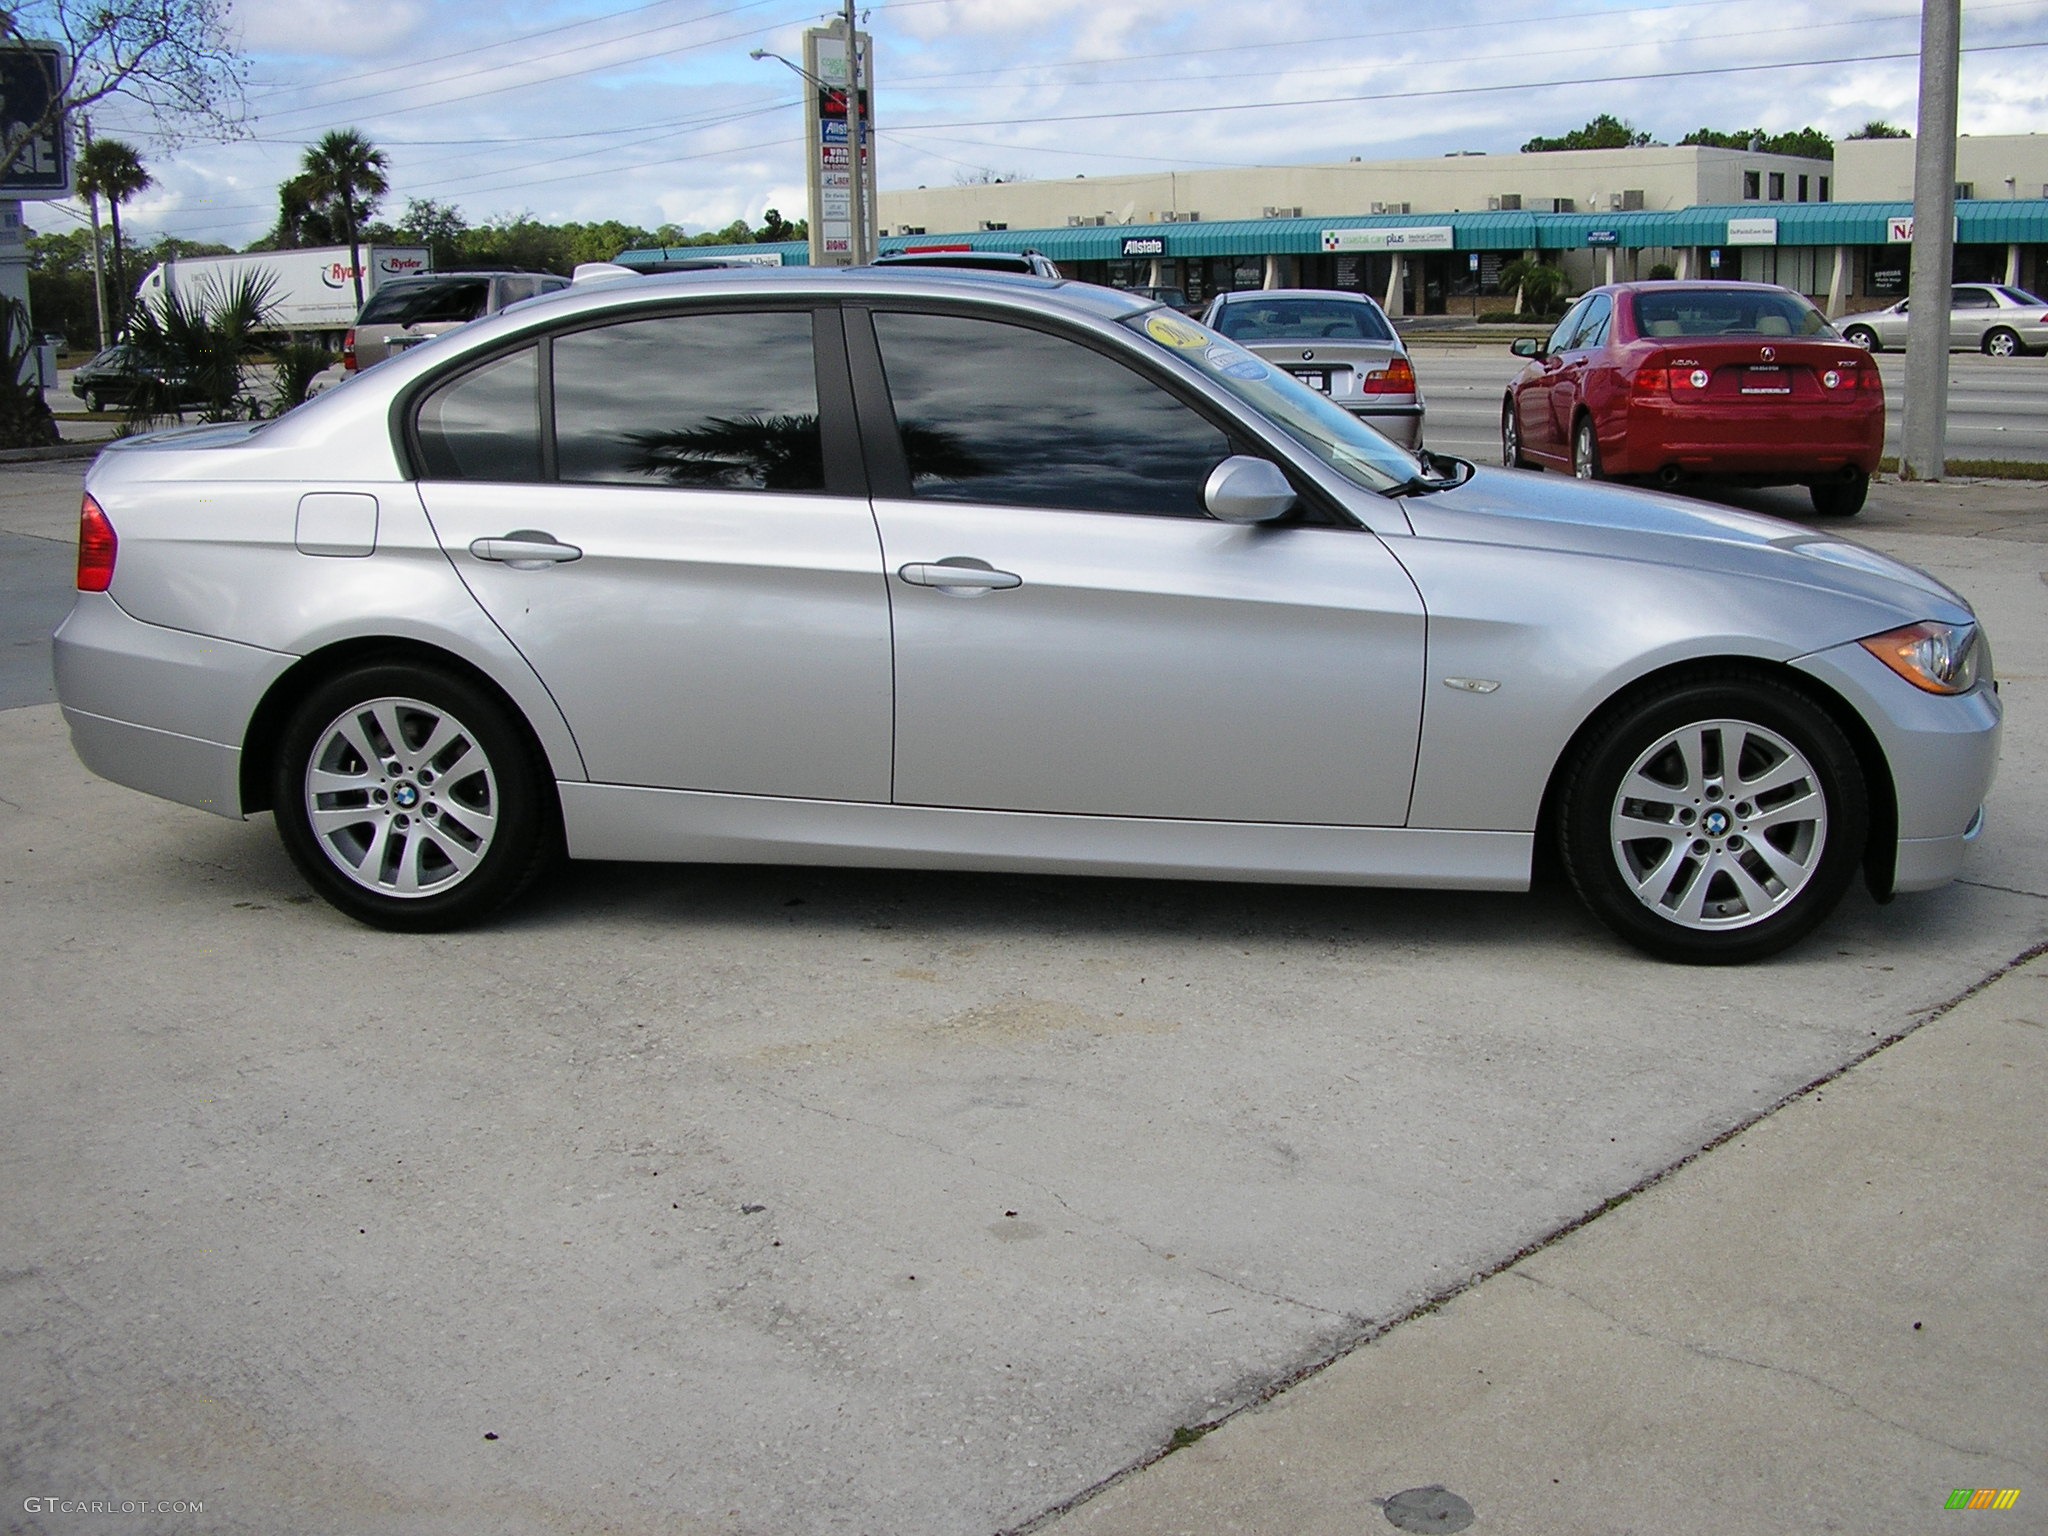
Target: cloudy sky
[[652, 111]]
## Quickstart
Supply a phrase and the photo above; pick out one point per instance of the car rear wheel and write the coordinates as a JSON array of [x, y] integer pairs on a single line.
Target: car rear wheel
[[410, 799], [2002, 341], [1585, 450], [1714, 822], [1863, 336], [1511, 438], [95, 401], [1840, 498]]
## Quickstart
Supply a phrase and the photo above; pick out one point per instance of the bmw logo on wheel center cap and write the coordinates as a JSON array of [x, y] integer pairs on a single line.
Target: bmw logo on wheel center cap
[[405, 797], [1715, 822]]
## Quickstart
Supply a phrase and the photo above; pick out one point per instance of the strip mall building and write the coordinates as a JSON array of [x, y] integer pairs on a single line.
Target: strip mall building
[[1431, 236]]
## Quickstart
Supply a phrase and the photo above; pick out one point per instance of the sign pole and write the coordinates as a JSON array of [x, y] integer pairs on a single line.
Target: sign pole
[[856, 158], [1924, 433]]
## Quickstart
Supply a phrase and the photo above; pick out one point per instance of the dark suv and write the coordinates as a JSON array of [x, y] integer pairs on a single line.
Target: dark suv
[[411, 310]]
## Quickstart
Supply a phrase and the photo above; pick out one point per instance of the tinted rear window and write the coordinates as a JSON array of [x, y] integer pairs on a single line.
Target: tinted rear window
[[1302, 320], [418, 303], [2024, 299], [1727, 313]]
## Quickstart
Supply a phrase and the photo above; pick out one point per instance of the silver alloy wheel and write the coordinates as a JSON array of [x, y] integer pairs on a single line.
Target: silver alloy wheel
[[1719, 825], [2002, 343], [401, 797], [1585, 462], [1510, 439]]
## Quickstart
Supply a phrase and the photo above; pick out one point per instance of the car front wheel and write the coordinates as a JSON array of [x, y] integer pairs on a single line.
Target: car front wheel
[[95, 401], [1511, 438], [408, 797], [1714, 822]]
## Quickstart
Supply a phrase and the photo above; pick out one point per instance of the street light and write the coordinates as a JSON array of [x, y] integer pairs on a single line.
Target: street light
[[856, 179]]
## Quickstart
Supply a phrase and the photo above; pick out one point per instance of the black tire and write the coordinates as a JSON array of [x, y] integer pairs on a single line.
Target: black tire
[[1863, 336], [1840, 498], [95, 401], [1511, 453], [2003, 341], [1692, 906], [468, 825], [1586, 451]]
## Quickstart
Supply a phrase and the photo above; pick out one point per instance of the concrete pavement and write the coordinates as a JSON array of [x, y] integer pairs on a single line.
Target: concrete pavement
[[766, 1201]]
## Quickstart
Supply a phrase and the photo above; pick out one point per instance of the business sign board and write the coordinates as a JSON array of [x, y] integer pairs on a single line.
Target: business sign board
[[1752, 231], [1414, 237], [1603, 237], [829, 160], [30, 74], [1900, 231], [1144, 245]]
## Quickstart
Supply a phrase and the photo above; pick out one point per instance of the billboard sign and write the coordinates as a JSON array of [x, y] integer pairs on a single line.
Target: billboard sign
[[1413, 237], [30, 74], [829, 161]]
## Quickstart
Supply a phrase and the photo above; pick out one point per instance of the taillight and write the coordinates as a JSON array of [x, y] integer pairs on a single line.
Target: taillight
[[96, 548], [1653, 381], [1397, 378], [348, 351], [1870, 380]]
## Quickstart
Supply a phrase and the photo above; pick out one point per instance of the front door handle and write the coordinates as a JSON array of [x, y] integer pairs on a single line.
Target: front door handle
[[975, 578], [525, 548]]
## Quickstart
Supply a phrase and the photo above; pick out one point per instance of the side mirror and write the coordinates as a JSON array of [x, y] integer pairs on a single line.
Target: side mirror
[[1246, 490], [1527, 346]]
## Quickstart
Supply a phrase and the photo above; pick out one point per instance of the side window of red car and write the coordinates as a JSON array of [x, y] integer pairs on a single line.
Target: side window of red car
[[1567, 328], [1593, 327]]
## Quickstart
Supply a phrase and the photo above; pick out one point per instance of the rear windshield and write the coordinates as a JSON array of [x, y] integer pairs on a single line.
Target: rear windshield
[[2024, 299], [1303, 320], [414, 303], [1728, 312]]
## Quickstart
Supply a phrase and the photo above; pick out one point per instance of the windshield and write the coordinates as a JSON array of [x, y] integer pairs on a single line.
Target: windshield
[[2024, 299], [414, 303], [1728, 312], [1328, 431], [1333, 319]]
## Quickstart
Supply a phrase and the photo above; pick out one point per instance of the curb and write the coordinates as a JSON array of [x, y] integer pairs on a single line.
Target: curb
[[54, 451]]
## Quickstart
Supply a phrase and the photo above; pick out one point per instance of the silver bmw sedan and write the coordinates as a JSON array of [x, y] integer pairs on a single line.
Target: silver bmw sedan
[[945, 570]]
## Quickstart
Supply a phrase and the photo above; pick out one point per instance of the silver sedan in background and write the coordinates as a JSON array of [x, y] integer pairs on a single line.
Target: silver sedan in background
[[1339, 344], [1993, 318], [945, 570]]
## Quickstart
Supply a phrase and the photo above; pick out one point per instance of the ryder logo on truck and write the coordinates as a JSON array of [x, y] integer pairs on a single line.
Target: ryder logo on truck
[[339, 274], [401, 266]]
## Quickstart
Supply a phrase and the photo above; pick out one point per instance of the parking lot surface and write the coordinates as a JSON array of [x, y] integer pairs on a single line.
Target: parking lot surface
[[755, 1200]]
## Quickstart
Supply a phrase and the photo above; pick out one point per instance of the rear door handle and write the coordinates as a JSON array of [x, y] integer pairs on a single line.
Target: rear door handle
[[978, 578], [525, 547]]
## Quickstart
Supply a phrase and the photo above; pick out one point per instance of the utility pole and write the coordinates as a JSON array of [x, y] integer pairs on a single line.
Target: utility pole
[[856, 150], [99, 278], [1924, 434]]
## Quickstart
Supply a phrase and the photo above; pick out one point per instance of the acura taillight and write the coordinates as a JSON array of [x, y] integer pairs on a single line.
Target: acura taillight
[[1653, 381], [1397, 378], [1869, 379], [348, 351], [96, 548]]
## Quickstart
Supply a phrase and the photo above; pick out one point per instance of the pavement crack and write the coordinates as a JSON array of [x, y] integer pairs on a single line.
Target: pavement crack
[[1727, 1357], [2010, 890]]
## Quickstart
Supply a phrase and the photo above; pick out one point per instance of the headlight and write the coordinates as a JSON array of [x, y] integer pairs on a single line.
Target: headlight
[[1941, 658]]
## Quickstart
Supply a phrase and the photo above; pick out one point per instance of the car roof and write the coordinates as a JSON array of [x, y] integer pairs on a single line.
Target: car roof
[[1247, 295]]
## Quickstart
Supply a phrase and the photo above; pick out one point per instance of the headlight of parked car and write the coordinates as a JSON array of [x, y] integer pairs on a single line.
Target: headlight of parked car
[[1941, 658]]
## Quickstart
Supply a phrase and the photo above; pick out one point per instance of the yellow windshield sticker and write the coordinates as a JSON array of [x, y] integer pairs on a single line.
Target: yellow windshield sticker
[[1168, 331]]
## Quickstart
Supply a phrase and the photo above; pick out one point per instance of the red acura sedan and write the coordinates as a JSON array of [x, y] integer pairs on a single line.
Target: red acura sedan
[[1745, 383]]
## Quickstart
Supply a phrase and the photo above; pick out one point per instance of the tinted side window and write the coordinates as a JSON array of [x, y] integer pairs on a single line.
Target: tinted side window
[[1593, 328], [715, 401], [1568, 327], [1974, 298], [999, 413], [484, 424]]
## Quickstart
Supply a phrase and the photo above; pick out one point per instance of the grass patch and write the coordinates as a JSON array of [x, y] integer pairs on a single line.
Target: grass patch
[[1186, 1436], [1982, 469]]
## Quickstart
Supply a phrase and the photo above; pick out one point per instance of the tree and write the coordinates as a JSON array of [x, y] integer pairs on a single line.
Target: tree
[[173, 58], [202, 347], [344, 173], [774, 227], [438, 226], [1878, 128], [301, 219], [1809, 142], [114, 170], [1605, 132], [1538, 287]]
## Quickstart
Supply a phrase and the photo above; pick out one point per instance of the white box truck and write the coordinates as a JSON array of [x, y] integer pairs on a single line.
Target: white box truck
[[311, 290]]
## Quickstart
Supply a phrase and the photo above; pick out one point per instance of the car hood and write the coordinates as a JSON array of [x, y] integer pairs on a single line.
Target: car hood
[[1539, 511]]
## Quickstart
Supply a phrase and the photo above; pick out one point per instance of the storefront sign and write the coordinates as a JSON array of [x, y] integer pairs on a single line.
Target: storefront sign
[[1752, 231], [1144, 245], [1898, 231], [1603, 237], [1418, 237], [829, 157]]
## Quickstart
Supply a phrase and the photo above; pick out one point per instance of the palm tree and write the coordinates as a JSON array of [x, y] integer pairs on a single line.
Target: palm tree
[[346, 172], [111, 169]]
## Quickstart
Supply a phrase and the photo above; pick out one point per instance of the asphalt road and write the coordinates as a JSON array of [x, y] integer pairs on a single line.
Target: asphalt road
[[1998, 407], [749, 1200]]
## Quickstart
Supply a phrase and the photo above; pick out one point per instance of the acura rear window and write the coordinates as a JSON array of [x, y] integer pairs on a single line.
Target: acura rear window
[[1728, 312]]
